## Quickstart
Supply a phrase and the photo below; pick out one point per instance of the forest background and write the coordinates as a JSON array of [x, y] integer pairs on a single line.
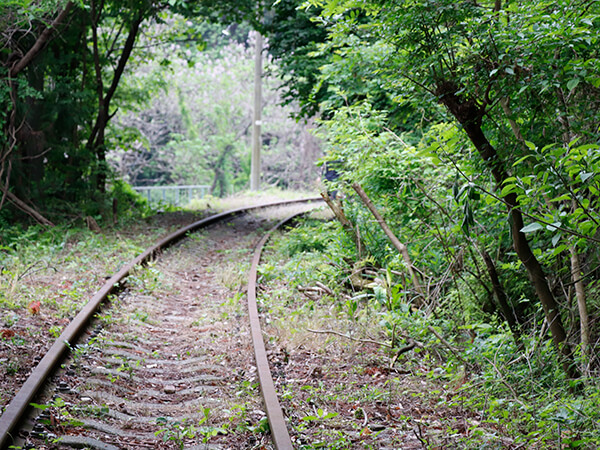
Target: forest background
[[468, 129]]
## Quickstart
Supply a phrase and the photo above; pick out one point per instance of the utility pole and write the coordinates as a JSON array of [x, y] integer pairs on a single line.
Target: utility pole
[[256, 126]]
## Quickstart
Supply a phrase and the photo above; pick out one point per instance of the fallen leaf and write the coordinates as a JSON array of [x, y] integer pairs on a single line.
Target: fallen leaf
[[6, 333], [34, 307]]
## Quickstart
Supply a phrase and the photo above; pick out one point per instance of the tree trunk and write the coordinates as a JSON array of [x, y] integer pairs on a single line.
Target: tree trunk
[[581, 304], [402, 249], [500, 294], [31, 136], [469, 115], [96, 141]]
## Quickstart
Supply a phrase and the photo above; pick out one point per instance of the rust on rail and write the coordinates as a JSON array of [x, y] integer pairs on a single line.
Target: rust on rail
[[279, 431]]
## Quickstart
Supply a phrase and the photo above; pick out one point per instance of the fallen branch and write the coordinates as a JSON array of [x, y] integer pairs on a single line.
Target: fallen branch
[[324, 288], [315, 292], [411, 344], [309, 295], [35, 267], [337, 333], [402, 249], [25, 207]]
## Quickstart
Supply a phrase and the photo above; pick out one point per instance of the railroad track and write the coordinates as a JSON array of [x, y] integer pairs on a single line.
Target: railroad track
[[168, 362]]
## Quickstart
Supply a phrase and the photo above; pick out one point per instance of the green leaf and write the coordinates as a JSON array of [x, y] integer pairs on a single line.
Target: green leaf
[[509, 188], [532, 227], [38, 406], [554, 226], [572, 84], [561, 198], [561, 248], [585, 176], [309, 418], [520, 160]]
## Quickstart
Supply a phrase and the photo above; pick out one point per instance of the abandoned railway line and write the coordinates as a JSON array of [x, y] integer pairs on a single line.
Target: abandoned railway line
[[147, 366]]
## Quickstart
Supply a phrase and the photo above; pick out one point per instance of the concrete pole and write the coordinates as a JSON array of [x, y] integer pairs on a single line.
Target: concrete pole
[[256, 138]]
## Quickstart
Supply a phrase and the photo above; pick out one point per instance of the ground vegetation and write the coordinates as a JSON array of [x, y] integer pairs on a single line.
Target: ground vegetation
[[466, 140], [466, 137]]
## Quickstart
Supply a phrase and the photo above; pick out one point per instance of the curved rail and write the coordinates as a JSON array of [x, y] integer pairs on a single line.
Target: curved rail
[[16, 409], [279, 431]]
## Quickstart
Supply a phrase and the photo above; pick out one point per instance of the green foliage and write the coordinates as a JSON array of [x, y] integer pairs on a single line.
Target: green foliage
[[518, 391], [129, 203], [304, 239], [175, 431], [519, 387], [295, 34], [37, 251], [520, 74], [562, 192], [303, 251]]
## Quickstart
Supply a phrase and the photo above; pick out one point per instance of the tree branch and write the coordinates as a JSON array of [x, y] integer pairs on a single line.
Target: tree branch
[[41, 41], [390, 234], [25, 207]]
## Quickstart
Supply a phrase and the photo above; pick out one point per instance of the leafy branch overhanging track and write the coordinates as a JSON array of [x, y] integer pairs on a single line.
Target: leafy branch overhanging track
[[16, 409]]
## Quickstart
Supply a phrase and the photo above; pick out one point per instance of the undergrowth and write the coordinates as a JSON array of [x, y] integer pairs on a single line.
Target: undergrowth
[[508, 390]]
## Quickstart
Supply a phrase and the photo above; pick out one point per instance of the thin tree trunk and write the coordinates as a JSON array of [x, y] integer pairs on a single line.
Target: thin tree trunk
[[469, 115], [500, 294], [581, 303], [504, 103], [96, 141], [390, 234], [338, 212], [219, 175], [575, 262]]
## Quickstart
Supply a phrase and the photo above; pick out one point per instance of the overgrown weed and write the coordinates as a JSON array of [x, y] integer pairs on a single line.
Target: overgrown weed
[[517, 389]]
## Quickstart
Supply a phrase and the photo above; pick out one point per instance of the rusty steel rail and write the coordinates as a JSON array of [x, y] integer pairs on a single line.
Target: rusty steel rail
[[279, 431], [15, 410]]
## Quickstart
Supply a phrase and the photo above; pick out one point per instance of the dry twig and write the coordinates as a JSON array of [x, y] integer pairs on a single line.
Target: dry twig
[[337, 333]]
